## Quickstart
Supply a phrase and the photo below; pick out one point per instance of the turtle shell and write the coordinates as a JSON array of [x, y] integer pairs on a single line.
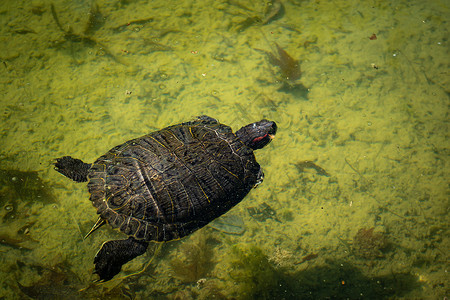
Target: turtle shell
[[169, 183]]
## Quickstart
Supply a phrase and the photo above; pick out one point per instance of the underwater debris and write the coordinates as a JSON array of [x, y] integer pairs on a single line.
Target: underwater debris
[[95, 20], [118, 292], [263, 212], [252, 269], [24, 231], [363, 183], [307, 164], [289, 67], [151, 43], [194, 259], [307, 258], [69, 35], [249, 21], [230, 224], [254, 275], [289, 71], [37, 9], [369, 244], [274, 10], [50, 291], [56, 282], [24, 30], [204, 289], [59, 282], [6, 240], [155, 46], [281, 258], [130, 24]]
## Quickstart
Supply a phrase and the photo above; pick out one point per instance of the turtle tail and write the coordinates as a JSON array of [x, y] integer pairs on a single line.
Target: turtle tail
[[73, 168]]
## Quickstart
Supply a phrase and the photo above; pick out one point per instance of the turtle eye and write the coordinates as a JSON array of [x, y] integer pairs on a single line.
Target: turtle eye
[[273, 129]]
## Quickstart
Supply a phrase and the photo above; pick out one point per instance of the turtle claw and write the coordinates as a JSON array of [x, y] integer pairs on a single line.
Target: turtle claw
[[97, 280], [113, 254]]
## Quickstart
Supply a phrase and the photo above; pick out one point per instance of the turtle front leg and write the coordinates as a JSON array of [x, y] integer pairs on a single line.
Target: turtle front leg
[[113, 254]]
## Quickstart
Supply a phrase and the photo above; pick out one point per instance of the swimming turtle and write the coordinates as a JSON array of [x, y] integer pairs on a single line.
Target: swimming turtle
[[169, 183]]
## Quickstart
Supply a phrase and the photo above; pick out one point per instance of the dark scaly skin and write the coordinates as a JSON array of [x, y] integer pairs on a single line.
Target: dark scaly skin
[[73, 168], [113, 254]]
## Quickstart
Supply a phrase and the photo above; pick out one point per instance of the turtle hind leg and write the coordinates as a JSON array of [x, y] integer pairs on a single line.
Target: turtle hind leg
[[113, 254], [72, 168]]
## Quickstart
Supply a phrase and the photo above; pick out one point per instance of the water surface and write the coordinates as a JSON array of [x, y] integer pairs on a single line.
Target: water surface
[[365, 218]]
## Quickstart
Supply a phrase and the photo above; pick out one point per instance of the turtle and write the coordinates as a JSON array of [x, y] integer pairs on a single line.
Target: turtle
[[167, 184]]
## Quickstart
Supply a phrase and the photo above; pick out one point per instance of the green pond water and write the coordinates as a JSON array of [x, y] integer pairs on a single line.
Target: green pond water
[[355, 199]]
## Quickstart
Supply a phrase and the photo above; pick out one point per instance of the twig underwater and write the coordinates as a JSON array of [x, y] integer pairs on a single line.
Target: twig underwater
[[72, 36], [274, 10]]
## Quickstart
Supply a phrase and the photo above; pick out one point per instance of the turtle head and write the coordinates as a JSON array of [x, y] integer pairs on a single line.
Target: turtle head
[[258, 134]]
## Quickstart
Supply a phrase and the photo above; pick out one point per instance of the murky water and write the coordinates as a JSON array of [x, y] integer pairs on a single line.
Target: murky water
[[355, 199]]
